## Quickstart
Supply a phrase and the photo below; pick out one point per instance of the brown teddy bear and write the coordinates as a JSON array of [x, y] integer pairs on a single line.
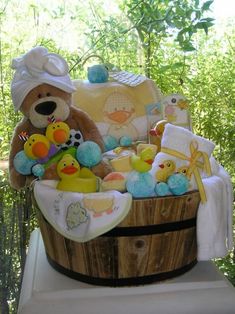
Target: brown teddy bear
[[41, 89]]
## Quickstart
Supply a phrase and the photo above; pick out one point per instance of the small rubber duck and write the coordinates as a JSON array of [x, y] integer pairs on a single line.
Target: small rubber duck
[[39, 148], [143, 162], [58, 132], [185, 170], [156, 133], [139, 182], [73, 178], [166, 169]]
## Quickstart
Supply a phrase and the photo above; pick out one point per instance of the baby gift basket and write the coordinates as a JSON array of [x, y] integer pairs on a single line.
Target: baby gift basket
[[162, 203], [156, 237]]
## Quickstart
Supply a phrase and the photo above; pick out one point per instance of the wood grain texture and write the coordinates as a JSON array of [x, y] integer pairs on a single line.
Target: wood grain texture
[[131, 256], [158, 210]]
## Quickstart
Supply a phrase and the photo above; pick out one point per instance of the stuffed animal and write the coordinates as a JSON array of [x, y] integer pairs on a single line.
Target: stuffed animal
[[41, 89]]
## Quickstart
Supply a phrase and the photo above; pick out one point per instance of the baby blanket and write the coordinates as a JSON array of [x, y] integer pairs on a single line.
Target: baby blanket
[[117, 109], [81, 217]]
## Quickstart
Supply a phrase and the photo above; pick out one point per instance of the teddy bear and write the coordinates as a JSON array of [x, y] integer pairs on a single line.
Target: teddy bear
[[41, 89]]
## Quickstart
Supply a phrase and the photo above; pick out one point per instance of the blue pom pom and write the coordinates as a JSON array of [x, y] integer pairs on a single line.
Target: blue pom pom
[[23, 164], [97, 74], [38, 170], [162, 189], [89, 154], [110, 142], [125, 141], [178, 184], [140, 184]]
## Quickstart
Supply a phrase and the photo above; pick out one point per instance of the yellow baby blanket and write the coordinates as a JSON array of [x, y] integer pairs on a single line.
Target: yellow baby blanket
[[117, 109]]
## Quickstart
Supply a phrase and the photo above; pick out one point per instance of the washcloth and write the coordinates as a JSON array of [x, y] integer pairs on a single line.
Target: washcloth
[[179, 138], [214, 218], [81, 217], [37, 67]]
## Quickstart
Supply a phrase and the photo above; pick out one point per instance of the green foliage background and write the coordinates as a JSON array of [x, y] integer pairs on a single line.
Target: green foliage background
[[173, 42]]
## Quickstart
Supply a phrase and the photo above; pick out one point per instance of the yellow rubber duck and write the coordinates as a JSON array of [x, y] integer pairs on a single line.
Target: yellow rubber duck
[[73, 178], [58, 132], [167, 168], [156, 133], [143, 162], [37, 146], [185, 170]]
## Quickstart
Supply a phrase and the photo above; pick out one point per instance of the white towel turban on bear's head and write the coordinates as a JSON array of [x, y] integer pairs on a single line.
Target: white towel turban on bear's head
[[36, 67]]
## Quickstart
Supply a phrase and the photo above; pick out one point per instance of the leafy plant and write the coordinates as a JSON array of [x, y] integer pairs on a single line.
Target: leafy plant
[[155, 20]]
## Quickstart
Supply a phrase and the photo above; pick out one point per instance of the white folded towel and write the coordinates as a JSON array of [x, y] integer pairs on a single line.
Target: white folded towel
[[177, 138], [219, 171], [36, 67], [214, 232]]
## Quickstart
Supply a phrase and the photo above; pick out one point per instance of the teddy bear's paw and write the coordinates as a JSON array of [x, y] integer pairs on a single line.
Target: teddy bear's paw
[[51, 173], [17, 180]]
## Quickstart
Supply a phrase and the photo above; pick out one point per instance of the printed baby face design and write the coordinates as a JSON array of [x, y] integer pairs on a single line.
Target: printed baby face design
[[76, 215], [119, 109]]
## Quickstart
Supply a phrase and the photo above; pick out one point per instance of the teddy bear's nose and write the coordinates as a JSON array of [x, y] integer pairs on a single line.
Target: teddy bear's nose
[[46, 108]]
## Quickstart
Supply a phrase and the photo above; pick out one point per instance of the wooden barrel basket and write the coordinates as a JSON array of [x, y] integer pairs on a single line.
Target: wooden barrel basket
[[156, 241]]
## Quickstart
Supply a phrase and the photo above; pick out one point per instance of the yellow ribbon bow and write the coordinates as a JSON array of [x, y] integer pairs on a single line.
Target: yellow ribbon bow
[[197, 160]]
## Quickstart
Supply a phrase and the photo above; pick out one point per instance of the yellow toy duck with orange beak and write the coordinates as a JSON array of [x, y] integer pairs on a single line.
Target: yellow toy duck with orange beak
[[58, 132], [38, 147], [143, 162], [73, 178], [42, 147], [167, 168]]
